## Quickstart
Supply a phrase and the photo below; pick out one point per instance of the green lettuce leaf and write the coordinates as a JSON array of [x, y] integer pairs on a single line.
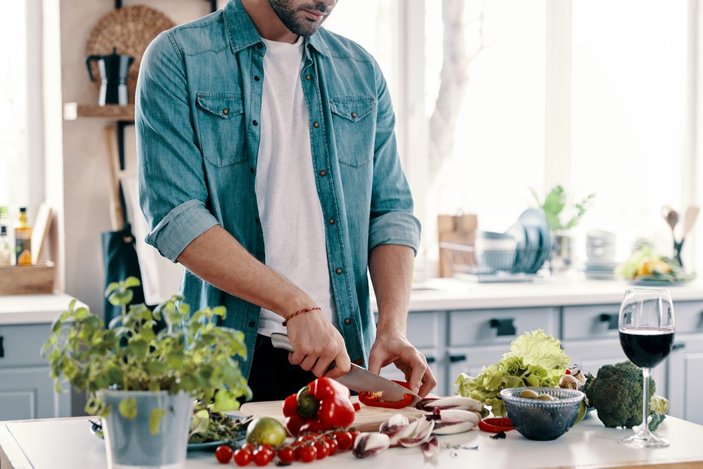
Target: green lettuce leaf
[[535, 359]]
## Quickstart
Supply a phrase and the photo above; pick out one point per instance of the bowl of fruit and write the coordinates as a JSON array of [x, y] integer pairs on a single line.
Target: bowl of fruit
[[648, 268]]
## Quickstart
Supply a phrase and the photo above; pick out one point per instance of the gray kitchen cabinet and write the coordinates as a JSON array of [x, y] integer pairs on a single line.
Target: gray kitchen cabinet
[[591, 339], [477, 338], [686, 363], [427, 331], [466, 340], [26, 390]]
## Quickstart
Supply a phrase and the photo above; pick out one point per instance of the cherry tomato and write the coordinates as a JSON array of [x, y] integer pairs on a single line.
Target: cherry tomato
[[306, 453], [353, 434], [242, 457], [263, 455], [249, 447], [286, 454], [332, 443], [344, 440], [323, 449], [223, 454]]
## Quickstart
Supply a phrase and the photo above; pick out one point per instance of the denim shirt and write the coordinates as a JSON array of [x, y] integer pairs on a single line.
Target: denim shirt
[[198, 109]]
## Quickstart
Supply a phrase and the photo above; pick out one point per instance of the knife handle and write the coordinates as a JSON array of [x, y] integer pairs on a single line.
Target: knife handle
[[281, 341]]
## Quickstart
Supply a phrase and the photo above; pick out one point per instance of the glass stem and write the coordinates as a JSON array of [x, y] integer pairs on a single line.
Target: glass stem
[[645, 399]]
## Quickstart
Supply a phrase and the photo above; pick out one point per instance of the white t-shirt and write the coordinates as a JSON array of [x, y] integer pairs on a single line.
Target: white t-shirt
[[289, 207]]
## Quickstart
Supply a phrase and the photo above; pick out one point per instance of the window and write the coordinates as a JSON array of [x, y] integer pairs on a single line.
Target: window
[[498, 150], [596, 96], [630, 117], [14, 161]]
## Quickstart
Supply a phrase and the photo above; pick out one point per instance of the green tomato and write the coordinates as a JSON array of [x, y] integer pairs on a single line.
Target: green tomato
[[266, 431]]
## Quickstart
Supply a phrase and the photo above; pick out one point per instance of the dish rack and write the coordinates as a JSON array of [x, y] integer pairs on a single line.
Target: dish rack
[[490, 265]]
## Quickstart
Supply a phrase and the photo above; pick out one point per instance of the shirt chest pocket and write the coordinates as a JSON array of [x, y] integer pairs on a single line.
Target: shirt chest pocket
[[354, 125], [221, 133]]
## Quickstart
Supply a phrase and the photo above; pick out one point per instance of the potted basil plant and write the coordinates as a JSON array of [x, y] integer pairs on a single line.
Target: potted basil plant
[[143, 381]]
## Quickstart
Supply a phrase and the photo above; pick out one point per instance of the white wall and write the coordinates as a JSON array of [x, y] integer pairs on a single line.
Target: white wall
[[85, 170]]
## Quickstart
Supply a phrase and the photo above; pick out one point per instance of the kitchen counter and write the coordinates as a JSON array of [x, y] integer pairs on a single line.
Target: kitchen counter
[[32, 309], [68, 443], [431, 295], [569, 290]]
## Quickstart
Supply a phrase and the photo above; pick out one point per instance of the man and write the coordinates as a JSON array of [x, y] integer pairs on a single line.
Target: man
[[269, 169]]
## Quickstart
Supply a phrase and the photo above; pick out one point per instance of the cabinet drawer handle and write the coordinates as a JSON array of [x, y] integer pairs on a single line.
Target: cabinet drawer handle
[[457, 358], [503, 326], [430, 359], [2, 347], [678, 346], [611, 319]]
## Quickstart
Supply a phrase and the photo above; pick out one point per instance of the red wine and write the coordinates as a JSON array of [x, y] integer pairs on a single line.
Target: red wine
[[646, 347]]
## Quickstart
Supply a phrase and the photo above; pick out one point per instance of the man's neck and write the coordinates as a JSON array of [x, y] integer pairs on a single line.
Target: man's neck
[[267, 22]]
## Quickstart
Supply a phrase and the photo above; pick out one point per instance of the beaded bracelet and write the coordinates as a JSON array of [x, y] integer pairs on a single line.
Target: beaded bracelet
[[300, 311]]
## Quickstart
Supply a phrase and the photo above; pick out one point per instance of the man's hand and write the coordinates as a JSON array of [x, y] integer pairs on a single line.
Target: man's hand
[[317, 344], [395, 348]]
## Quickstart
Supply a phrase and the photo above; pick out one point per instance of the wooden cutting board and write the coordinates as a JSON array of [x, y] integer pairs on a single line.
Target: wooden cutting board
[[367, 419]]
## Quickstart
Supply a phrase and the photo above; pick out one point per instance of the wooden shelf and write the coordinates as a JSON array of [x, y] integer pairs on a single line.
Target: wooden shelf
[[73, 111]]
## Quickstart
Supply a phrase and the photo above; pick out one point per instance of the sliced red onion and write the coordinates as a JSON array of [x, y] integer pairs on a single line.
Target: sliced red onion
[[370, 444], [430, 449]]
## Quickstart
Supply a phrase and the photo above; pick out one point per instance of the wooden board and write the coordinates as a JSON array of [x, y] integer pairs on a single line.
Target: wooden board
[[367, 419], [27, 279], [42, 225]]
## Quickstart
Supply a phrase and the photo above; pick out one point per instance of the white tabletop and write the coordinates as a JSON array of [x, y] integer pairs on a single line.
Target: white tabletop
[[68, 443]]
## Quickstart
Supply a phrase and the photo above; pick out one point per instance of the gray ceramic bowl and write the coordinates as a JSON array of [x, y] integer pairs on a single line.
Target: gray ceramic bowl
[[542, 420]]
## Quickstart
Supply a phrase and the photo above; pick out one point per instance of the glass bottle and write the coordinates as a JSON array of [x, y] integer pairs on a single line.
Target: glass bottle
[[5, 251], [23, 240]]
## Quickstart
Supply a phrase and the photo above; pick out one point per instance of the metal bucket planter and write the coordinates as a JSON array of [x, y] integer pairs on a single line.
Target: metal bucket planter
[[130, 443]]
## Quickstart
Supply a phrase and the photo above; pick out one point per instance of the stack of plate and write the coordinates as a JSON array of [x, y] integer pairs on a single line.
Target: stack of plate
[[600, 270], [534, 241], [600, 253]]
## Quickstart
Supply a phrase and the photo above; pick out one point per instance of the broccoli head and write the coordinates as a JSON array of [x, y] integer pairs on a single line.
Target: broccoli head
[[616, 393]]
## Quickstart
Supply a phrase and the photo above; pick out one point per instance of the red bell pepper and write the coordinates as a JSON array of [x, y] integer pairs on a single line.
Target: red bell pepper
[[323, 404], [375, 399]]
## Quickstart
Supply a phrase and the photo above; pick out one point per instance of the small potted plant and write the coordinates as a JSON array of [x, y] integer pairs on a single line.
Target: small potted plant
[[561, 217], [143, 381]]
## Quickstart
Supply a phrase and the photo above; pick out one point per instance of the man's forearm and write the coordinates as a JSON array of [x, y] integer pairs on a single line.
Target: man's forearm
[[391, 269], [218, 258]]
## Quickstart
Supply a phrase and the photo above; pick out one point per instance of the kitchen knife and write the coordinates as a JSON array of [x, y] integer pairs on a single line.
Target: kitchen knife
[[358, 379]]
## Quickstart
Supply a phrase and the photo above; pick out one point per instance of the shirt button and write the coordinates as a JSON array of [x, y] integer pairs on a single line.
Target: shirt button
[[251, 324], [347, 321], [259, 46], [331, 221], [323, 172], [255, 122], [316, 124], [308, 77], [251, 170], [353, 114], [338, 270], [225, 111], [257, 78], [256, 219]]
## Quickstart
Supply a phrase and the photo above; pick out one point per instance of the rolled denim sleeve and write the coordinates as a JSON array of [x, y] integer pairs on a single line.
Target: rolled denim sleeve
[[172, 188], [392, 219]]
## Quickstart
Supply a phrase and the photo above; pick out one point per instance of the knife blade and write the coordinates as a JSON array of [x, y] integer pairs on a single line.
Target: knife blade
[[358, 379]]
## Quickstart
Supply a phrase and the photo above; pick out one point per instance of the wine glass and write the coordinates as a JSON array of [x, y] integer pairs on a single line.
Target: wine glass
[[646, 326]]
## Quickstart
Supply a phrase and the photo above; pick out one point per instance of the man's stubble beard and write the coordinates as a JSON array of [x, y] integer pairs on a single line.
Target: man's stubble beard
[[287, 15]]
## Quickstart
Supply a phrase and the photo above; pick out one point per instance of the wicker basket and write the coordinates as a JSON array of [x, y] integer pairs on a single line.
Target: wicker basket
[[129, 29]]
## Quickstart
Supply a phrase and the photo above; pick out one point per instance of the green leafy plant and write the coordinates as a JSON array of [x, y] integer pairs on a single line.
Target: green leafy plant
[[191, 354], [555, 205], [535, 359]]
